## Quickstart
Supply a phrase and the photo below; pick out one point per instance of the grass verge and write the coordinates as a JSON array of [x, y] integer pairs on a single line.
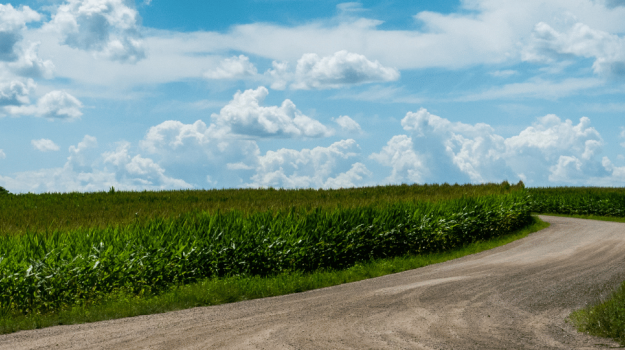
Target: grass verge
[[607, 318], [233, 289]]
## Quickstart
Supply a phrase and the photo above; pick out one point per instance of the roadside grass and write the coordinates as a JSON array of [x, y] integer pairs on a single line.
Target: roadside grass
[[607, 318], [232, 289]]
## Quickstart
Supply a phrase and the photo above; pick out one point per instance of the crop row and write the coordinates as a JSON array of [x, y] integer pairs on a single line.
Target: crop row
[[42, 271], [579, 201], [65, 211]]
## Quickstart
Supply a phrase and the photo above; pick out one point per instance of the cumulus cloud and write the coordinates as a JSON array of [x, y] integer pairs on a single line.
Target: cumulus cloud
[[138, 171], [87, 170], [348, 124], [30, 65], [82, 155], [245, 115], [351, 178], [2, 154], [109, 28], [341, 69], [194, 151], [233, 68], [45, 145], [175, 139], [318, 167], [15, 93], [549, 151], [12, 23], [568, 151], [546, 44], [399, 154], [471, 150], [53, 105], [214, 154]]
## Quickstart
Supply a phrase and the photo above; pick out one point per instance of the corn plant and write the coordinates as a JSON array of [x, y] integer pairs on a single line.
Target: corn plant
[[44, 271]]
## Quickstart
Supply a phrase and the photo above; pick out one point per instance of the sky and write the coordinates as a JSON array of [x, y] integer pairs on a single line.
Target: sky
[[159, 95]]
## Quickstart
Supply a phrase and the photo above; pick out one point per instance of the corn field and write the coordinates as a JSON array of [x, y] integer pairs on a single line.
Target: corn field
[[42, 271], [579, 201]]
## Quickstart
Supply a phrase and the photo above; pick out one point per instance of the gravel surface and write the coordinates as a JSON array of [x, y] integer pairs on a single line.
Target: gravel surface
[[512, 297]]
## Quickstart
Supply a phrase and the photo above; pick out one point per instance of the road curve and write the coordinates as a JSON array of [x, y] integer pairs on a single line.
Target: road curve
[[512, 297]]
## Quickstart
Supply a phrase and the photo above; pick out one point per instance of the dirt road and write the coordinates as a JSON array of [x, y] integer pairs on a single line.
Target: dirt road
[[512, 297]]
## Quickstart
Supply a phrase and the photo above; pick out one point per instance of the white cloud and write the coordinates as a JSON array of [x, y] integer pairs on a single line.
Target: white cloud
[[194, 151], [12, 24], [535, 88], [579, 40], [79, 155], [174, 139], [85, 170], [616, 175], [552, 137], [15, 92], [340, 69], [30, 65], [233, 68], [348, 124], [401, 157], [318, 167], [53, 105], [109, 28], [2, 154], [549, 151], [472, 150], [230, 159], [482, 32], [506, 73], [44, 145], [139, 171], [244, 115], [351, 178]]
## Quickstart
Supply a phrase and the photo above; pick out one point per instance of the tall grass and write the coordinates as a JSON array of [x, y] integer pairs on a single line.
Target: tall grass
[[48, 270]]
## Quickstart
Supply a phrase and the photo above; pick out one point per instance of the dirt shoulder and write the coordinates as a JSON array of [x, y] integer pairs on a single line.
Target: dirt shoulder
[[513, 297]]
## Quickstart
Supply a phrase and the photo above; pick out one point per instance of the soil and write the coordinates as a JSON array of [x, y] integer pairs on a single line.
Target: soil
[[517, 296]]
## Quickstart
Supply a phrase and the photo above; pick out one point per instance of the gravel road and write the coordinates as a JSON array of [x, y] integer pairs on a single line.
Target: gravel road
[[512, 297]]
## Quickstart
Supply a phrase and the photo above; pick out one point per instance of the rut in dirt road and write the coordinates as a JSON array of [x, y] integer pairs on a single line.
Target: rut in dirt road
[[512, 297]]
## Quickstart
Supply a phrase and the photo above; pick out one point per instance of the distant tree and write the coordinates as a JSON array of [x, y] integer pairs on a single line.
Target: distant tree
[[3, 191]]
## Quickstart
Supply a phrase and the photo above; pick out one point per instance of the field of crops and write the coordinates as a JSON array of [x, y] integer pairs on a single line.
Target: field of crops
[[245, 232], [579, 201], [63, 211]]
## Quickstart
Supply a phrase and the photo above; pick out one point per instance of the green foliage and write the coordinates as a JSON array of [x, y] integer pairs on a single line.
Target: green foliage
[[45, 271], [65, 211], [599, 201], [606, 319], [3, 191], [215, 291]]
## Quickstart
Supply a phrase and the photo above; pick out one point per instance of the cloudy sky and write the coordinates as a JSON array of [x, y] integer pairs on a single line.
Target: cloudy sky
[[147, 95]]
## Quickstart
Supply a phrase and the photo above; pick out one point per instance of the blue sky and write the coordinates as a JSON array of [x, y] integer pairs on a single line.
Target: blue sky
[[149, 95]]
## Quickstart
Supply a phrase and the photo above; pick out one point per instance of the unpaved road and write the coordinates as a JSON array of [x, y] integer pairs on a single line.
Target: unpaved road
[[512, 297]]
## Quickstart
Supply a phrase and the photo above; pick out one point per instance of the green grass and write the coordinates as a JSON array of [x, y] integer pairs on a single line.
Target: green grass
[[232, 289], [606, 318]]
